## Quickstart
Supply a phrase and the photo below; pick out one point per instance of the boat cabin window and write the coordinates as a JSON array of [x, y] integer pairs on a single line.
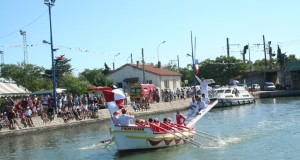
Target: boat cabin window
[[228, 91], [220, 91]]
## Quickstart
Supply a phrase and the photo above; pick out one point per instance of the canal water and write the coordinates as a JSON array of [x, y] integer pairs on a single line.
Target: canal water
[[269, 129]]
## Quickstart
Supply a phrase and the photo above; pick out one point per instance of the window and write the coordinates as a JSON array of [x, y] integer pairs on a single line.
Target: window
[[174, 84], [166, 83], [149, 81]]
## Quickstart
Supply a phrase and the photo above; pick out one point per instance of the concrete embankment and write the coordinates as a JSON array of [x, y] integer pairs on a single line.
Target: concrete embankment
[[103, 115], [277, 93]]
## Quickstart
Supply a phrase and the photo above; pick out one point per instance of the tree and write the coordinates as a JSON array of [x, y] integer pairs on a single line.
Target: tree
[[187, 74], [75, 85], [280, 57], [27, 75], [222, 69], [106, 69], [62, 67], [96, 77], [259, 65], [172, 67]]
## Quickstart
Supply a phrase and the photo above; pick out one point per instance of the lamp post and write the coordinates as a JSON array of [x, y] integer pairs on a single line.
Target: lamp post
[[50, 3], [194, 90], [158, 48], [114, 60]]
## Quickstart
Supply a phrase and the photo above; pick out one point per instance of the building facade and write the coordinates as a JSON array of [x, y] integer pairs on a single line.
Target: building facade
[[129, 74]]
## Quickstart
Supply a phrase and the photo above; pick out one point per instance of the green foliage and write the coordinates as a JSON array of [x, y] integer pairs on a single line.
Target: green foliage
[[259, 65], [291, 58], [172, 67], [106, 69], [62, 67], [96, 77], [221, 70], [75, 85], [27, 75], [187, 74]]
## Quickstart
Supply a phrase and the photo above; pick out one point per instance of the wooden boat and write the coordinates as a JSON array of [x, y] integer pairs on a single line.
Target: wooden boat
[[151, 136]]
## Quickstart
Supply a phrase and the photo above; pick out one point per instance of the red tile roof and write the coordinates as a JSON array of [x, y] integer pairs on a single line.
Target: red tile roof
[[155, 70]]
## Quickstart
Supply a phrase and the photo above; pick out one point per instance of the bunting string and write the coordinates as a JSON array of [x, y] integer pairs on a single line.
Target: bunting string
[[77, 49]]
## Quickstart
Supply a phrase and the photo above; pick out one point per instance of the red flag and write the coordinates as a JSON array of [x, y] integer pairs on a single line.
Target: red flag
[[114, 99], [61, 58], [196, 69]]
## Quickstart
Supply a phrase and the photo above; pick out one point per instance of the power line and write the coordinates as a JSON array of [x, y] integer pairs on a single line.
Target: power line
[[24, 26]]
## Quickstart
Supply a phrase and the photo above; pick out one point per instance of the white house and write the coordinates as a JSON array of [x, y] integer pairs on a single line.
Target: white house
[[136, 73]]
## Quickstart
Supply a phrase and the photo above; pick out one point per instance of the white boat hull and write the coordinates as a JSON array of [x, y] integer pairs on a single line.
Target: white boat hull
[[232, 96], [227, 102], [134, 137]]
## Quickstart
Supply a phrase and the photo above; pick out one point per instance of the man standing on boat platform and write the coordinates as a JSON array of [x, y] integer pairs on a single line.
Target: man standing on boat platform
[[125, 118], [200, 104], [206, 100], [204, 85]]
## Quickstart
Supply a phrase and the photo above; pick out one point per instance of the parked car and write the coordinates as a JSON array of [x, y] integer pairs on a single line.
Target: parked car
[[255, 87], [269, 86]]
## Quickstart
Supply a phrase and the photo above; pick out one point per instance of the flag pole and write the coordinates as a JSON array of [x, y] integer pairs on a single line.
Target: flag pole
[[193, 65]]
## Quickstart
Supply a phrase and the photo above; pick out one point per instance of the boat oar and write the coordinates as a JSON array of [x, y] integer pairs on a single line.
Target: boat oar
[[181, 133], [199, 133], [191, 140], [209, 136], [111, 140]]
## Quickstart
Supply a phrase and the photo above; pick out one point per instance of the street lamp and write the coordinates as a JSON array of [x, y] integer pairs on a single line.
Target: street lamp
[[158, 48], [114, 60], [193, 72], [50, 3]]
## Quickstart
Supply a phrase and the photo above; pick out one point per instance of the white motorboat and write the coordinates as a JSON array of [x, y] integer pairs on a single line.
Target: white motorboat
[[231, 96]]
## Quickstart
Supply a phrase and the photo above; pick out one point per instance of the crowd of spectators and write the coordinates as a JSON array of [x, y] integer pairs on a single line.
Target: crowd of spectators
[[17, 112]]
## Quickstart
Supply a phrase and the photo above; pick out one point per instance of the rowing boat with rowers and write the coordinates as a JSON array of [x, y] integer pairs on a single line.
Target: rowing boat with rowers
[[151, 135]]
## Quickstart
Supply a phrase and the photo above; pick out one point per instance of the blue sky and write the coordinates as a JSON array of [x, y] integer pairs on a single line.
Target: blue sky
[[101, 29]]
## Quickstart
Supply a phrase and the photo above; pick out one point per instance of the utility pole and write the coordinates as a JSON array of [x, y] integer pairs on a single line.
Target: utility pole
[[23, 33], [265, 51], [227, 39], [270, 54], [176, 61], [250, 67], [144, 77], [131, 58], [228, 46]]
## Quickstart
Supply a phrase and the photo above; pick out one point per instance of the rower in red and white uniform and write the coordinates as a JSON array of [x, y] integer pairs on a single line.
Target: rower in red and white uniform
[[180, 119]]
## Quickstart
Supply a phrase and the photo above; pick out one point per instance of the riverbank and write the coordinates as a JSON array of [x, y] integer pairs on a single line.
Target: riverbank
[[276, 93], [103, 115]]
